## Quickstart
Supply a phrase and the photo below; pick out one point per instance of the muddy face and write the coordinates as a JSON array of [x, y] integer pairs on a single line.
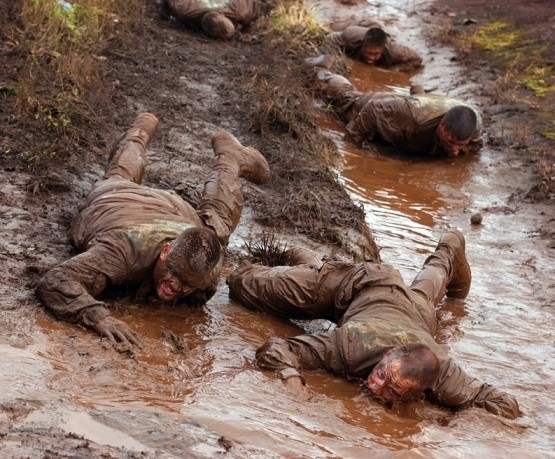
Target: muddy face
[[169, 286], [371, 54], [387, 384]]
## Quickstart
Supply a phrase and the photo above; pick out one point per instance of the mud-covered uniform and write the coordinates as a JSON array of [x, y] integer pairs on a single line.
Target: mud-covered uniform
[[374, 311], [394, 54], [122, 227], [240, 12], [409, 123]]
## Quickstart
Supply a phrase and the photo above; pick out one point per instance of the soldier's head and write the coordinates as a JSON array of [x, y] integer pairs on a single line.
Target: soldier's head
[[404, 373], [373, 45], [456, 129], [216, 25], [188, 263]]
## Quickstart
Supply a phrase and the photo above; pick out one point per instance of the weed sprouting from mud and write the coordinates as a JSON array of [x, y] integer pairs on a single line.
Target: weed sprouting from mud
[[268, 250]]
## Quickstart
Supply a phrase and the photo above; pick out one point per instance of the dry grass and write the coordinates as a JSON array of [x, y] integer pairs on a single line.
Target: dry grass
[[60, 80]]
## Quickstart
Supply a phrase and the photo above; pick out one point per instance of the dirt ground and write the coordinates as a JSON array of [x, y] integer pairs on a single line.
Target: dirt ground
[[196, 86]]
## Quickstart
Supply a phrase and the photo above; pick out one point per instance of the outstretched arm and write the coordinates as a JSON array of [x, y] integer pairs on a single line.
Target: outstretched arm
[[403, 57], [69, 291], [287, 357], [455, 388]]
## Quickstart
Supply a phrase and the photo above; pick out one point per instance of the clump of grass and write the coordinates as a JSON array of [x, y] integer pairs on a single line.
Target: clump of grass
[[293, 17], [540, 79], [60, 82], [496, 36]]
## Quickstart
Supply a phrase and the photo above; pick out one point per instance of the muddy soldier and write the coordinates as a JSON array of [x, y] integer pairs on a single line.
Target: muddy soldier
[[419, 123], [385, 328], [373, 46], [148, 238], [217, 18]]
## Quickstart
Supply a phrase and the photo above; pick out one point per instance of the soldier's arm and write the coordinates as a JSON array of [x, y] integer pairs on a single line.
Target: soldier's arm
[[287, 357], [393, 114], [69, 291], [349, 39], [404, 58], [455, 388]]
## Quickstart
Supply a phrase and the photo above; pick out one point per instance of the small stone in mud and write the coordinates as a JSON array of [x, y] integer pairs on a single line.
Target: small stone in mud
[[476, 219]]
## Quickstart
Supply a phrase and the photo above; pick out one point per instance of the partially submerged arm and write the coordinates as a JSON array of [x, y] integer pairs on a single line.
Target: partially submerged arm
[[287, 357], [455, 388]]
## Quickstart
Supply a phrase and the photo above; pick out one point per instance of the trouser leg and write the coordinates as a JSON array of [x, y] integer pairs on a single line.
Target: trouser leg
[[301, 292], [128, 158], [445, 271], [335, 89], [222, 199]]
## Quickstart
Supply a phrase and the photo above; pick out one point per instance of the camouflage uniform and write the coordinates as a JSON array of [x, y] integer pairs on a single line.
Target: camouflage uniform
[[374, 311], [239, 12], [123, 226], [408, 122], [394, 54]]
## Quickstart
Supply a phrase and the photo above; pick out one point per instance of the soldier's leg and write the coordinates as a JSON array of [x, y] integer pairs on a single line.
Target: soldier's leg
[[446, 271], [335, 89], [222, 199], [301, 292], [127, 159]]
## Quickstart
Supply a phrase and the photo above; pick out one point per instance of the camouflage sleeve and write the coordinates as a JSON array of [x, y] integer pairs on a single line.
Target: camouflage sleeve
[[69, 289], [404, 58], [455, 388], [301, 352], [389, 117]]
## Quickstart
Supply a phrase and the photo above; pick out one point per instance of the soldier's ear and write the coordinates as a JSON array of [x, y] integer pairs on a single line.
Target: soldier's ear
[[165, 250]]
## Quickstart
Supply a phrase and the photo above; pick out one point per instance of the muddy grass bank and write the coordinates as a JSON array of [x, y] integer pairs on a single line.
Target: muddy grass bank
[[508, 47]]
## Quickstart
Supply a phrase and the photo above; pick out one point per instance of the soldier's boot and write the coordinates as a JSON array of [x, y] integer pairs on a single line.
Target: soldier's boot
[[141, 131], [460, 277], [324, 61], [252, 165]]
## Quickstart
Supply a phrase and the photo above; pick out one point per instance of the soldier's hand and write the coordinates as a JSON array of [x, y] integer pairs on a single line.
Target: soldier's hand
[[296, 386], [118, 332]]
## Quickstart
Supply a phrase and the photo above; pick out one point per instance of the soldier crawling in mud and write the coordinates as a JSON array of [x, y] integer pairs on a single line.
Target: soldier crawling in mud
[[385, 329], [217, 18], [148, 238], [373, 46], [419, 123]]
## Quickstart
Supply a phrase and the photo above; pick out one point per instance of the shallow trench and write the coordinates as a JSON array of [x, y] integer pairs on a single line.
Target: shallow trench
[[502, 334]]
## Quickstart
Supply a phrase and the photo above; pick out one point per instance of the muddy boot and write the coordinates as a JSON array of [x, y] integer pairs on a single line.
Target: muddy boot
[[458, 284], [252, 165], [326, 61], [142, 129]]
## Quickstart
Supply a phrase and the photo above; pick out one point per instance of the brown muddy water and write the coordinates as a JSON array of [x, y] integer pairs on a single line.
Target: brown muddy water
[[502, 333]]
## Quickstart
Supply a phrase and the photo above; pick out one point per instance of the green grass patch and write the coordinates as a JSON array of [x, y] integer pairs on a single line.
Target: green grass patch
[[496, 36]]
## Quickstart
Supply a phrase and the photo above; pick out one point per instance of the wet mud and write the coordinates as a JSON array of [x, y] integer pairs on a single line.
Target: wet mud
[[194, 391]]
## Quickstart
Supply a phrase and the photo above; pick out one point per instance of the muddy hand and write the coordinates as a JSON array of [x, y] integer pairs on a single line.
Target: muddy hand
[[118, 332], [296, 386]]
